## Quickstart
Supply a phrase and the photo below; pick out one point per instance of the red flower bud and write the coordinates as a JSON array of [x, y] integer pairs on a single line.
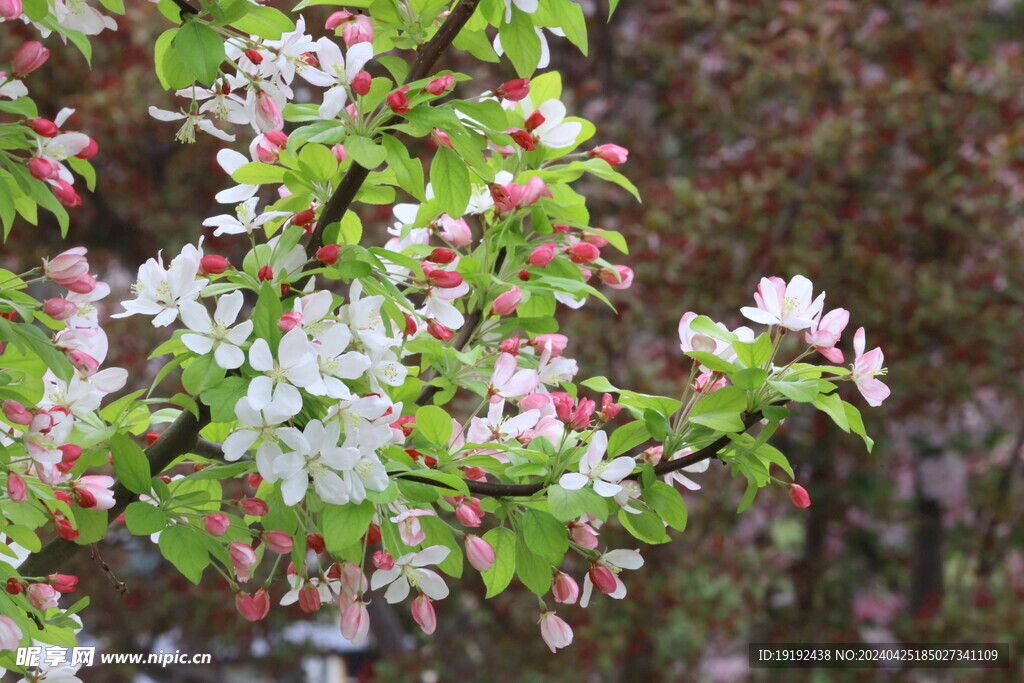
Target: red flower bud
[[514, 90], [278, 541], [542, 255], [613, 154], [64, 529], [151, 437], [439, 331], [442, 256], [255, 507], [444, 279], [328, 254], [372, 535], [217, 523], [63, 583], [337, 19], [255, 607], [65, 194], [43, 169], [522, 138], [14, 586], [254, 56], [534, 121], [798, 494], [304, 218], [265, 273], [289, 321], [398, 101], [89, 151], [603, 578], [440, 84], [524, 275], [43, 127], [212, 264], [362, 82], [583, 252], [315, 542], [28, 57]]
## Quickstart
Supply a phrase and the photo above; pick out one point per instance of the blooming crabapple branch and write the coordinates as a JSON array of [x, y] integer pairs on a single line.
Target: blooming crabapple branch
[[178, 439], [426, 57]]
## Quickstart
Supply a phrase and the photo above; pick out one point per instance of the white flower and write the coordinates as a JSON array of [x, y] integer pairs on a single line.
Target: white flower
[[278, 385], [193, 122], [159, 292], [555, 132], [678, 477], [616, 561], [255, 424], [245, 219], [217, 335], [315, 454], [335, 364], [528, 6], [496, 428], [786, 305], [408, 571], [230, 161], [593, 468], [223, 105], [336, 72], [507, 382]]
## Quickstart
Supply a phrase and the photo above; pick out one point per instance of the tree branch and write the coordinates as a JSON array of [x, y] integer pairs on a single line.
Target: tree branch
[[178, 439], [426, 57]]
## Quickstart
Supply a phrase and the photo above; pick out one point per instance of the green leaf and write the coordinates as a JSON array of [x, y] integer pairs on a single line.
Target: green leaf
[[170, 67], [91, 525], [705, 325], [256, 173], [533, 570], [756, 353], [265, 315], [803, 391], [343, 525], [721, 410], [853, 417], [711, 361], [130, 464], [201, 50], [317, 162], [143, 519], [32, 340], [434, 424], [668, 503], [450, 179], [201, 374], [265, 22], [627, 436], [223, 397], [24, 537], [521, 43], [566, 505], [497, 578], [748, 496], [599, 384], [832, 405], [544, 535], [186, 550], [644, 525], [365, 151], [408, 171], [749, 378]]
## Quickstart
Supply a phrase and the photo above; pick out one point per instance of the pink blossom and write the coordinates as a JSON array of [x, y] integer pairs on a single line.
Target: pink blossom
[[511, 197], [10, 10], [278, 541], [97, 490], [217, 523], [565, 589], [439, 85], [514, 90], [613, 154], [358, 31], [583, 252], [865, 367], [43, 596], [16, 412], [67, 266], [798, 494], [337, 19], [17, 491], [455, 231], [542, 255], [29, 56], [583, 535], [508, 382], [254, 607], [824, 334], [787, 305], [243, 559], [10, 633], [423, 612], [409, 526], [620, 278], [555, 632], [355, 621], [507, 302], [479, 553]]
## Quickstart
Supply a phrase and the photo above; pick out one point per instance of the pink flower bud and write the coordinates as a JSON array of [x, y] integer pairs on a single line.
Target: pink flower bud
[[455, 231], [43, 169], [442, 139], [603, 578], [613, 154], [65, 194], [609, 409], [361, 83], [440, 84], [43, 127], [542, 255], [444, 279], [29, 56], [555, 632], [358, 31], [563, 405], [289, 321], [59, 309], [83, 362], [798, 494], [507, 302], [268, 112], [83, 285], [217, 523], [254, 507], [423, 613], [511, 345], [63, 583], [514, 90], [337, 19], [439, 331], [328, 254], [17, 413], [10, 10], [213, 264], [254, 607], [442, 256], [479, 553], [355, 621], [620, 278], [583, 535], [382, 559], [67, 266], [43, 596], [580, 418], [522, 138], [10, 632], [534, 121], [583, 252], [267, 147], [556, 341], [243, 558], [69, 454], [565, 589], [468, 516], [309, 597], [17, 491], [398, 101], [89, 151], [278, 541]]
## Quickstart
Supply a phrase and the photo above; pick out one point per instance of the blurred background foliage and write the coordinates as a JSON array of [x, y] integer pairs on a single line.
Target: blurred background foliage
[[874, 146]]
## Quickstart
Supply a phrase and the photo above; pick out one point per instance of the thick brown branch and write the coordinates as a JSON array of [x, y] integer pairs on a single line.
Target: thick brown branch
[[426, 57], [178, 439]]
